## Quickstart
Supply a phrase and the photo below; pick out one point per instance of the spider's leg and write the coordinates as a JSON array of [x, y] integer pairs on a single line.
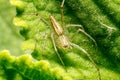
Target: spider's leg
[[38, 16], [75, 25], [37, 37], [36, 42], [88, 55], [62, 4], [56, 51], [44, 43], [35, 49], [81, 29], [61, 9]]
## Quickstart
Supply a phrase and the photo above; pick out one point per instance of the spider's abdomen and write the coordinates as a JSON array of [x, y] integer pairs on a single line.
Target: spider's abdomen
[[64, 42]]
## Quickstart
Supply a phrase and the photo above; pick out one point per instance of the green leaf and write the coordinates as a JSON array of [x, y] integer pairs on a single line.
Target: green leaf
[[9, 36], [33, 19], [101, 19], [24, 68]]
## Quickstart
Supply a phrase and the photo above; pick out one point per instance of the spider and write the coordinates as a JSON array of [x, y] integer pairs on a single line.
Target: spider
[[64, 42]]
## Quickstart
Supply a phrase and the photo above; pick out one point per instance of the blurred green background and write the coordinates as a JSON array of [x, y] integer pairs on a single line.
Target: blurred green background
[[9, 35]]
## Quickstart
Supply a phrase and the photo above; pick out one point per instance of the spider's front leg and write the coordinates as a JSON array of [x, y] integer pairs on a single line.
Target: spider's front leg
[[61, 10]]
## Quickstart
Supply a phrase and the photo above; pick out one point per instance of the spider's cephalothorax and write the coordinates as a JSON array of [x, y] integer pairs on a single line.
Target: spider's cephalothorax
[[62, 39]]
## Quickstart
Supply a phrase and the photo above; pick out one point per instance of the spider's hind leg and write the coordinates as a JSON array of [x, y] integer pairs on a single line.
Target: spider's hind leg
[[88, 55]]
